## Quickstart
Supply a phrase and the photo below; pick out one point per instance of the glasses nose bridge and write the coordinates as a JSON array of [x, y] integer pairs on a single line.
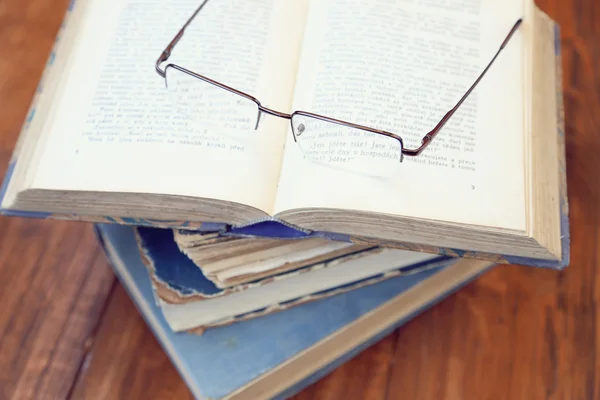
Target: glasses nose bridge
[[262, 109]]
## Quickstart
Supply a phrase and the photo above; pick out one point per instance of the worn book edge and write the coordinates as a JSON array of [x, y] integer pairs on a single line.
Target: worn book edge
[[181, 281], [184, 283]]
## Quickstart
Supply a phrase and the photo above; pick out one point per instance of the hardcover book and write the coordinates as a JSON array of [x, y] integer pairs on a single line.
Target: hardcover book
[[276, 355], [129, 125], [192, 302]]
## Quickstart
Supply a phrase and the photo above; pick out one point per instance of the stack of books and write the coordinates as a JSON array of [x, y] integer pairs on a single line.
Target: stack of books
[[265, 246]]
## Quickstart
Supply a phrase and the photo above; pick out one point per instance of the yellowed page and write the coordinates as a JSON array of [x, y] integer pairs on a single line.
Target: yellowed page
[[116, 129], [400, 66]]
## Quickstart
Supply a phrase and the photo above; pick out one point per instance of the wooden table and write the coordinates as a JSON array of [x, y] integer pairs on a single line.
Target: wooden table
[[67, 328]]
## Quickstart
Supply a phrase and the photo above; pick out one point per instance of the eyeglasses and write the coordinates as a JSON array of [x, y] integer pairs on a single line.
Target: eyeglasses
[[230, 108]]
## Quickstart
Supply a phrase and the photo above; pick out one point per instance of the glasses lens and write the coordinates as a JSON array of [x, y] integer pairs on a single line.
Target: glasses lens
[[345, 147], [207, 108]]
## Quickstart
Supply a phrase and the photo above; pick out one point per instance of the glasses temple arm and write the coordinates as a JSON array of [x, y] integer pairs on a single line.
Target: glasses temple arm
[[431, 134], [164, 56]]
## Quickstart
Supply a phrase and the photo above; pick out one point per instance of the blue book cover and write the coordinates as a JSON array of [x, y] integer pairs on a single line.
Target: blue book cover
[[179, 274], [276, 355], [276, 228], [190, 301]]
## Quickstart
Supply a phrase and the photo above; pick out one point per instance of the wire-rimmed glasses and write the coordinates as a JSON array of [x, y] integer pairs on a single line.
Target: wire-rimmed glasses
[[233, 109]]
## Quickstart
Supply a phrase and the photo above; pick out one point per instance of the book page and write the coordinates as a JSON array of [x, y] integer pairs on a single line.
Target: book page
[[399, 66], [118, 127]]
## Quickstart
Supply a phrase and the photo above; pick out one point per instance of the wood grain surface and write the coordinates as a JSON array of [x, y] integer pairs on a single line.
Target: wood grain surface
[[68, 330]]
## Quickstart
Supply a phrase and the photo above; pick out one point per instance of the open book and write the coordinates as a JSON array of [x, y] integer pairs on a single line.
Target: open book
[[109, 140]]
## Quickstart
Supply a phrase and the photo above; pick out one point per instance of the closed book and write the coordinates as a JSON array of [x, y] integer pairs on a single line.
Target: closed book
[[191, 302], [276, 355]]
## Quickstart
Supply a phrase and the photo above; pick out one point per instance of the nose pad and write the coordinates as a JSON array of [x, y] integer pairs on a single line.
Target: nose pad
[[300, 129], [258, 119]]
